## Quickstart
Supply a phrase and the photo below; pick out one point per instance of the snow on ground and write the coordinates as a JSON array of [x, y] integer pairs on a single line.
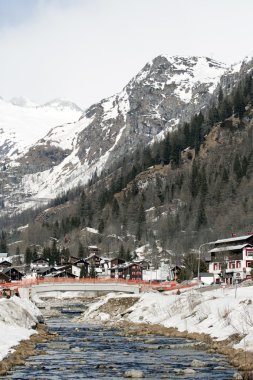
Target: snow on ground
[[219, 312], [18, 317]]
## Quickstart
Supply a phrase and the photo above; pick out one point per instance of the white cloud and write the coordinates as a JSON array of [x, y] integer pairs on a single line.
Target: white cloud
[[85, 50]]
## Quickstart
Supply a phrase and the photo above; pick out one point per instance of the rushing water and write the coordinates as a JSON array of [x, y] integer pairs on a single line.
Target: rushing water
[[83, 351]]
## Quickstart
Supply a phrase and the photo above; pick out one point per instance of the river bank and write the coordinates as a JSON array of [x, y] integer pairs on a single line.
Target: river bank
[[21, 326], [98, 351], [220, 318]]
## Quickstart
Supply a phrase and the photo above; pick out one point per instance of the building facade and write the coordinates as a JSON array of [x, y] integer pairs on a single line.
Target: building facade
[[232, 259]]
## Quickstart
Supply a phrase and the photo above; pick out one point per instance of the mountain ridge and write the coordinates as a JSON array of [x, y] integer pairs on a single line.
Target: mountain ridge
[[165, 92]]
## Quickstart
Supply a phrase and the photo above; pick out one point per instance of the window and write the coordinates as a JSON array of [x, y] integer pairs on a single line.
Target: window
[[238, 264]]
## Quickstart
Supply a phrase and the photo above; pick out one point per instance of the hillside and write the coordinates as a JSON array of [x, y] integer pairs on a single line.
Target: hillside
[[159, 199], [166, 91]]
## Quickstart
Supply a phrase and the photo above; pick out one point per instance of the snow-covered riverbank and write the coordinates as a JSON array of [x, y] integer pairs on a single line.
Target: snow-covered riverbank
[[220, 313], [18, 319]]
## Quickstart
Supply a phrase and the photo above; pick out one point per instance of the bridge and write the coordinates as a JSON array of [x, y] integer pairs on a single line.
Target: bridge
[[28, 288], [90, 287], [80, 287]]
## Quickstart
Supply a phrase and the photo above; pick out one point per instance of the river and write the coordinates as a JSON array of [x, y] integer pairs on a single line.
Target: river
[[85, 351]]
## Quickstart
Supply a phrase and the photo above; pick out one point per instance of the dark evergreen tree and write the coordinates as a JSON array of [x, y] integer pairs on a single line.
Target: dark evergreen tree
[[220, 96], [80, 250], [195, 179], [3, 242], [92, 273], [101, 225], [83, 272], [28, 256], [34, 253], [239, 103], [201, 216], [237, 167]]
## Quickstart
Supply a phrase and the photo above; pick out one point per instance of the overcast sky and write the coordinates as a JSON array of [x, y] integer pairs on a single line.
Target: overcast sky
[[85, 50]]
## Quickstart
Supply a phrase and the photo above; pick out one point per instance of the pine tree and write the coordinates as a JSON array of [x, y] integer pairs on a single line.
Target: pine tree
[[239, 103], [80, 250], [195, 181], [92, 273], [34, 253], [237, 167], [101, 225], [115, 207], [55, 255], [220, 96], [201, 217], [83, 272], [203, 185], [3, 242], [28, 256]]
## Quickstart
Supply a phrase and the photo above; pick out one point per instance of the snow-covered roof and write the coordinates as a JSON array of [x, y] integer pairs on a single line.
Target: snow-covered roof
[[232, 239], [3, 254], [229, 248]]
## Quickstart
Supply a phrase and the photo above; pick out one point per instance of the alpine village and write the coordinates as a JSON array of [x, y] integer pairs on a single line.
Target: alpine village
[[150, 188]]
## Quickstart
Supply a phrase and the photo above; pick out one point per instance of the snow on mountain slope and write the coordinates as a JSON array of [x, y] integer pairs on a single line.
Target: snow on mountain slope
[[184, 73], [22, 125], [58, 155]]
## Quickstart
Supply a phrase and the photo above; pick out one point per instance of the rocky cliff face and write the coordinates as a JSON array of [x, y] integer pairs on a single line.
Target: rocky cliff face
[[166, 91]]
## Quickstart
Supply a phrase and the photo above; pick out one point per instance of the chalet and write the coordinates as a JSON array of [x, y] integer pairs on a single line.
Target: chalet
[[94, 260], [62, 273], [73, 259], [5, 264], [42, 272], [93, 250], [144, 263], [13, 273], [39, 263], [131, 271], [4, 278], [116, 261], [231, 259]]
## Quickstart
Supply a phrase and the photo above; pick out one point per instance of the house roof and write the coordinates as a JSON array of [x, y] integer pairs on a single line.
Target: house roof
[[92, 256], [125, 265], [40, 259], [3, 254], [6, 270], [5, 261], [230, 248], [233, 239], [4, 276]]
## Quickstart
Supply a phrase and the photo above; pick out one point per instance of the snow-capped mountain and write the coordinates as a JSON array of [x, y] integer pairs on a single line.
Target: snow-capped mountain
[[166, 91], [23, 123]]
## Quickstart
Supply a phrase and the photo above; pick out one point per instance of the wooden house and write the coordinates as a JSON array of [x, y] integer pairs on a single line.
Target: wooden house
[[116, 261], [62, 273], [39, 263], [42, 272], [94, 260], [4, 278], [13, 273], [94, 250], [131, 271], [5, 264]]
